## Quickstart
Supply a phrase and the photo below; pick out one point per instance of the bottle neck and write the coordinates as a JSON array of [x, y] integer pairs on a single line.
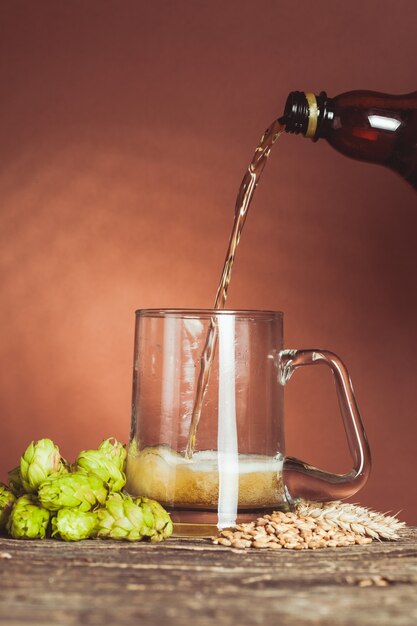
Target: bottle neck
[[307, 114]]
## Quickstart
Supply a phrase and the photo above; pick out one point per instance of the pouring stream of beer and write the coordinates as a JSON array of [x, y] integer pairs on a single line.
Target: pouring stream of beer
[[243, 201]]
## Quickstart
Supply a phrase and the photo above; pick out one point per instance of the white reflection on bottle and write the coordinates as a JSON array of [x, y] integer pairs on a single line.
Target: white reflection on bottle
[[384, 123]]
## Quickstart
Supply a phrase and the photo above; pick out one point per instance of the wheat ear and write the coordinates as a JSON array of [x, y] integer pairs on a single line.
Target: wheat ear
[[352, 517]]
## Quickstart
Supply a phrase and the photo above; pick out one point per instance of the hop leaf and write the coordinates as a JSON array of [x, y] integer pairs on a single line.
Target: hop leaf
[[28, 520], [98, 463], [15, 482], [115, 451], [78, 490], [40, 460], [74, 525], [124, 518], [7, 500]]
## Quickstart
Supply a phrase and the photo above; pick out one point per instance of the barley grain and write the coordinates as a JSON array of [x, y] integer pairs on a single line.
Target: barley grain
[[224, 542], [241, 543]]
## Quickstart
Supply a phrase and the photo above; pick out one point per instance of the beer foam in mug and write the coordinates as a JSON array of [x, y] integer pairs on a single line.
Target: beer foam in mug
[[206, 461]]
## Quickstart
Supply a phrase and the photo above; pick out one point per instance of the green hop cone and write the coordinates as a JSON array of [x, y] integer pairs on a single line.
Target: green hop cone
[[79, 490], [28, 519], [115, 451], [121, 519], [7, 500], [96, 462], [162, 524], [74, 525], [40, 460], [15, 482], [124, 518]]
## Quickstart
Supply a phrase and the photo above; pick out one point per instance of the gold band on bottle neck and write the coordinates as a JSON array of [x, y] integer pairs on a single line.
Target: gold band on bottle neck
[[312, 114]]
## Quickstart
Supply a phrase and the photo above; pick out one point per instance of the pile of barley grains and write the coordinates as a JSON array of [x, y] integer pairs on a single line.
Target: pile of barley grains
[[288, 530]]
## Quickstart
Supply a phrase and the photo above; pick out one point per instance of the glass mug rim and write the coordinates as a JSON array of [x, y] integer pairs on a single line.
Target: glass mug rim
[[208, 313]]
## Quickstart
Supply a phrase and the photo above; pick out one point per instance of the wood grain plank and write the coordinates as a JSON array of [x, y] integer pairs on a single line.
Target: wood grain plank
[[185, 581]]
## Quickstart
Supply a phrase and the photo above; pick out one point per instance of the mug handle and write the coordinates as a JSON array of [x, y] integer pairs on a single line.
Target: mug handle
[[307, 482]]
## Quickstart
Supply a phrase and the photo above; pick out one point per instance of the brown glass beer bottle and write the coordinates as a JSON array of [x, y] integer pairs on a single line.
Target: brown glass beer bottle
[[364, 125]]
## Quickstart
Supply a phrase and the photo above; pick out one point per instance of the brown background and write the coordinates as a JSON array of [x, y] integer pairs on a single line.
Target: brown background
[[125, 131]]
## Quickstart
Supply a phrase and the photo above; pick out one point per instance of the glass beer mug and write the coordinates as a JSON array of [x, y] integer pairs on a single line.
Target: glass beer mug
[[207, 428]]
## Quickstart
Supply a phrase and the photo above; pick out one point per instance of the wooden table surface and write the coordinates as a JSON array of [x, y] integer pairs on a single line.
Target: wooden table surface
[[192, 582]]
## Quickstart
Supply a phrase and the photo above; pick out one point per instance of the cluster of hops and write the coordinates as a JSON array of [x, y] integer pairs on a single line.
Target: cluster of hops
[[47, 496]]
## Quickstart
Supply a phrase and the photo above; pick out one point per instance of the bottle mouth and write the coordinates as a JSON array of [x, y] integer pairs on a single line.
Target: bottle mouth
[[296, 113], [303, 113]]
